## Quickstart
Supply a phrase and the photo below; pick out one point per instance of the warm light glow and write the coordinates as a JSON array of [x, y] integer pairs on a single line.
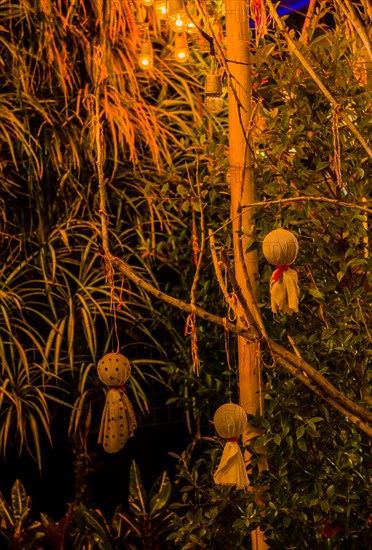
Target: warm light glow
[[147, 2], [181, 55], [161, 8], [144, 62], [214, 104], [191, 28], [181, 49], [146, 57], [178, 20]]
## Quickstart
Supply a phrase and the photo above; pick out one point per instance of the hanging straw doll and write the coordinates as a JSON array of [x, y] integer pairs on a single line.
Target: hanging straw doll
[[280, 248], [230, 421], [118, 421]]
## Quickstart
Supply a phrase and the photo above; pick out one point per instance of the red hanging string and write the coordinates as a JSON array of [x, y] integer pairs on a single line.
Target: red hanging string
[[121, 388], [279, 271]]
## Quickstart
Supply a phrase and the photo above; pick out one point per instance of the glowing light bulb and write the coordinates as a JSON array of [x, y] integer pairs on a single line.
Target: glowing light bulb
[[147, 2], [214, 102], [146, 57], [181, 49], [161, 8], [181, 56], [178, 19]]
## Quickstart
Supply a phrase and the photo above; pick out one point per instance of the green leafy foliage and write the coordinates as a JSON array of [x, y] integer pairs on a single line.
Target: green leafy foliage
[[206, 515], [59, 300], [17, 527], [148, 520]]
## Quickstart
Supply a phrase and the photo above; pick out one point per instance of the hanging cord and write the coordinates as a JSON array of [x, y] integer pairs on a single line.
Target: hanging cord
[[99, 141], [258, 366], [98, 137], [198, 252], [227, 351], [336, 145], [190, 330], [109, 275]]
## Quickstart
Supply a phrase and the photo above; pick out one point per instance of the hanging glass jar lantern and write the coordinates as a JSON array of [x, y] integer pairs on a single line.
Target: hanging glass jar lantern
[[214, 102]]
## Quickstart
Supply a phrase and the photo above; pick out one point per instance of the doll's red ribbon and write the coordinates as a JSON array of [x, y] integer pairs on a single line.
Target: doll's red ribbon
[[279, 271], [121, 387], [232, 439]]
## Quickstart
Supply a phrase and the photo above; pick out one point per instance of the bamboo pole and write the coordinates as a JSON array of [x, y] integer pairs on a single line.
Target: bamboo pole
[[242, 192]]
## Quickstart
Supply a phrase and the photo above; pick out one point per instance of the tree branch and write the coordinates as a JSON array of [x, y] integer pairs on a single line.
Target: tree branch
[[352, 16], [327, 94], [179, 304], [310, 384], [305, 199], [322, 382], [284, 357]]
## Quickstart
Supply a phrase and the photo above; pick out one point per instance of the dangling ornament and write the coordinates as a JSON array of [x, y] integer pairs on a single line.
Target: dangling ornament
[[280, 248], [118, 421], [230, 421]]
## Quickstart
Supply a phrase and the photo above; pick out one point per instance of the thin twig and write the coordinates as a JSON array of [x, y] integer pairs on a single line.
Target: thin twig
[[307, 21], [352, 16], [305, 199], [364, 320], [217, 270], [267, 203]]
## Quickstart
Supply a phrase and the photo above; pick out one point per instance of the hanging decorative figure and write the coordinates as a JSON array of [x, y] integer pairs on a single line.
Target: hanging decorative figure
[[118, 420], [280, 248], [230, 421]]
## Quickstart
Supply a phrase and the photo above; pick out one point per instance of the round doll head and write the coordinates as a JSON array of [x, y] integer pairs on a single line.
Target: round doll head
[[280, 247], [230, 420], [113, 369]]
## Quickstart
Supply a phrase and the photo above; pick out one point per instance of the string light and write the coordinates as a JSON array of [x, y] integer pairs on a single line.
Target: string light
[[214, 102], [146, 56], [160, 7], [181, 48], [178, 18]]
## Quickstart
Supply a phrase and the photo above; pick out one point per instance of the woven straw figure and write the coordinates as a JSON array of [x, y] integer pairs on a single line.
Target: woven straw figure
[[118, 421], [280, 248], [230, 421]]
